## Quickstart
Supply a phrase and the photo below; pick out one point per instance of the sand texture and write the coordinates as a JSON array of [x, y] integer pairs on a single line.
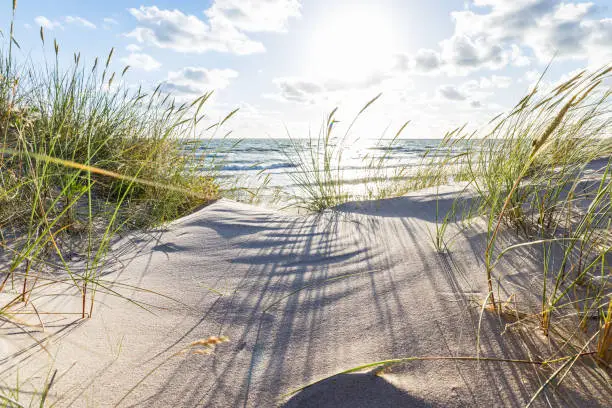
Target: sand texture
[[300, 298]]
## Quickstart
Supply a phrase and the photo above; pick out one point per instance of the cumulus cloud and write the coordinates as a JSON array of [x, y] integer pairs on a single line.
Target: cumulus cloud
[[47, 24], [224, 31], [172, 29], [299, 89], [452, 93], [255, 15], [424, 61], [531, 76], [495, 81], [571, 30], [79, 21], [494, 33], [133, 47], [195, 81], [465, 52], [141, 61], [475, 90], [518, 58], [427, 60], [307, 90]]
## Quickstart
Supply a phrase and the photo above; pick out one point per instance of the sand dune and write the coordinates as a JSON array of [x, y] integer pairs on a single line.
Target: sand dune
[[300, 298]]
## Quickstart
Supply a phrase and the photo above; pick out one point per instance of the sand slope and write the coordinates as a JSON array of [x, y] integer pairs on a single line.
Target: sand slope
[[300, 298]]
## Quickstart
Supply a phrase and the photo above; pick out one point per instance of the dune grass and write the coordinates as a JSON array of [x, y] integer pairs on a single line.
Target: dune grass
[[541, 172], [320, 181], [528, 174], [82, 159]]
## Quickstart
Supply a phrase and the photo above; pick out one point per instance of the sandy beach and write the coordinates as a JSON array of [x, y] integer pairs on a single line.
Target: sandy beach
[[300, 298], [317, 204]]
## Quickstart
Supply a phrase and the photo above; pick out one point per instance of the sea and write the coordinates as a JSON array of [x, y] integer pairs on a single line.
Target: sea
[[266, 167]]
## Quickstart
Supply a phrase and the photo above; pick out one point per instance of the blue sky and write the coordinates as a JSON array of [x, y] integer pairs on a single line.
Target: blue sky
[[288, 62]]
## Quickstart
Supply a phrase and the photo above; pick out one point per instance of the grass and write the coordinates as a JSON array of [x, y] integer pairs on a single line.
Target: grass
[[83, 158], [526, 174], [320, 177]]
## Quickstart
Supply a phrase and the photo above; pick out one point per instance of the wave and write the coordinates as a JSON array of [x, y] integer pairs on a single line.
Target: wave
[[234, 167]]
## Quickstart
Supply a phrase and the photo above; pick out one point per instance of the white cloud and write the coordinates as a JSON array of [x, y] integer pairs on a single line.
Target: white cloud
[[79, 21], [299, 89], [255, 15], [496, 33], [225, 30], [47, 24], [109, 23], [531, 76], [569, 29], [475, 90], [308, 90], [572, 11], [133, 47], [495, 81], [195, 81], [174, 30], [518, 58], [141, 61], [53, 24], [463, 53], [424, 61], [427, 60], [451, 92]]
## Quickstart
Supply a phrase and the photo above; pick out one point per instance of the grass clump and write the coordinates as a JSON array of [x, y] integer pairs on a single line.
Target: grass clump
[[544, 171], [320, 181], [83, 158]]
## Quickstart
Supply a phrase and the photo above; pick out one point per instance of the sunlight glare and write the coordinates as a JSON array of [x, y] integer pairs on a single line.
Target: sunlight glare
[[352, 45]]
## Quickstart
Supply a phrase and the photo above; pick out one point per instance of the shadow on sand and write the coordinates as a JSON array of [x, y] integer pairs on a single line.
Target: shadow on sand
[[354, 391]]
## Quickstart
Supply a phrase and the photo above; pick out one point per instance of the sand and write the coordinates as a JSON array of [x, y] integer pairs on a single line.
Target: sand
[[300, 298]]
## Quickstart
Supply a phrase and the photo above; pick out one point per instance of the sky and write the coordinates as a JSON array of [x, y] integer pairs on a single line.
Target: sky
[[287, 63]]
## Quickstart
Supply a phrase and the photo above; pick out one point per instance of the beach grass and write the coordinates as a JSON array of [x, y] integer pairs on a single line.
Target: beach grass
[[527, 174], [84, 158], [320, 181]]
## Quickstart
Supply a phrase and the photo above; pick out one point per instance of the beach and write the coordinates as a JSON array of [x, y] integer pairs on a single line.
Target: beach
[[282, 203], [300, 298]]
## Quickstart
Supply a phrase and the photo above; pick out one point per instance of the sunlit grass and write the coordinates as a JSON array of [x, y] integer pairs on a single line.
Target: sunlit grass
[[83, 158], [542, 172]]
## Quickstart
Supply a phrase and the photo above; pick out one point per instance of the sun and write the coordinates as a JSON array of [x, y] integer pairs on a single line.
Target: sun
[[352, 44]]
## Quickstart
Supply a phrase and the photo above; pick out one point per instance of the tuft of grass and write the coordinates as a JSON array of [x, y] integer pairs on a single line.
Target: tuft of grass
[[320, 177], [83, 158]]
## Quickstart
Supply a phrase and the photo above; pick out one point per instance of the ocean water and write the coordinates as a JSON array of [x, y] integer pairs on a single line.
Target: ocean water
[[274, 163]]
